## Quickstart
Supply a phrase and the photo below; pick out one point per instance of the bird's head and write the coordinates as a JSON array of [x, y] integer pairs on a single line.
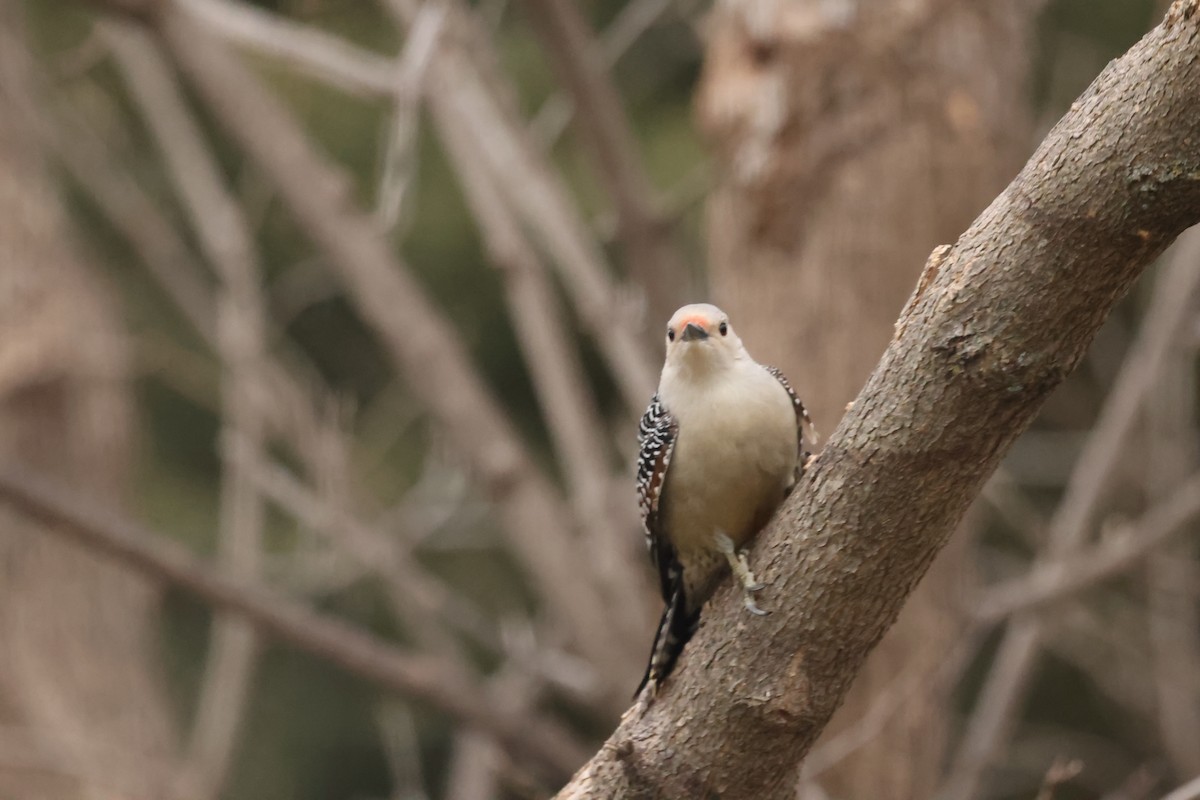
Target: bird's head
[[701, 340]]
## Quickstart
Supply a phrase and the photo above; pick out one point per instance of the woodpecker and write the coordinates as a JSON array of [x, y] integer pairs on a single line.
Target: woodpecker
[[722, 444]]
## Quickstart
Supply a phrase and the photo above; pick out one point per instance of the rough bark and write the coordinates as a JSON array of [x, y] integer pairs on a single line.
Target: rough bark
[[997, 321], [80, 702], [850, 147]]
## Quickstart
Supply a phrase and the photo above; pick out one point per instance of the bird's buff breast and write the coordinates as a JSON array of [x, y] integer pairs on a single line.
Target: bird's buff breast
[[730, 473]]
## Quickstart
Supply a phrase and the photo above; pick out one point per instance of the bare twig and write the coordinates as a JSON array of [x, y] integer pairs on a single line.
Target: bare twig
[[222, 232], [471, 92], [421, 342], [543, 201], [171, 263], [419, 597], [473, 771], [643, 231], [991, 723], [1052, 580], [884, 706], [400, 156], [566, 402], [401, 745], [1172, 572], [428, 679], [317, 54], [169, 260], [1188, 791], [1061, 771], [634, 19]]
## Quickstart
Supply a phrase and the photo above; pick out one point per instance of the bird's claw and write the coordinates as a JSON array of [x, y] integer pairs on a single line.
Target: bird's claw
[[752, 607]]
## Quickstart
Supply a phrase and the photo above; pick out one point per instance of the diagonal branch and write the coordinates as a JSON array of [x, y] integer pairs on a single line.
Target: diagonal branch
[[991, 723], [996, 326], [467, 88], [575, 425], [423, 345], [642, 230], [435, 681], [320, 55], [222, 233], [1053, 580]]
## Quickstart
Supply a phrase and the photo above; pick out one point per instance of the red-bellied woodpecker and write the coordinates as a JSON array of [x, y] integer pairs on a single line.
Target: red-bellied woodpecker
[[722, 443]]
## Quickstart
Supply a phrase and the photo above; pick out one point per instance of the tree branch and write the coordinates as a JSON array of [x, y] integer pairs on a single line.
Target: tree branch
[[467, 86], [642, 229], [317, 54], [223, 234], [991, 722], [1055, 579], [999, 323], [435, 681], [423, 345]]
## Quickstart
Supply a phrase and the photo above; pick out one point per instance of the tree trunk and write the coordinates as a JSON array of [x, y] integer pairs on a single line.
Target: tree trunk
[[851, 146], [82, 709]]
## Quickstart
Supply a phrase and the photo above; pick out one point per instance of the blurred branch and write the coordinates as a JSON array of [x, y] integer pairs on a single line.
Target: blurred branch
[[400, 160], [1189, 791], [1107, 644], [1060, 772], [993, 328], [469, 90], [316, 54], [473, 770], [222, 232], [534, 188], [1172, 572], [420, 598], [1051, 580], [643, 231], [117, 196], [887, 703], [634, 19], [991, 723], [421, 342], [141, 221], [401, 746], [564, 396], [1139, 784], [431, 680]]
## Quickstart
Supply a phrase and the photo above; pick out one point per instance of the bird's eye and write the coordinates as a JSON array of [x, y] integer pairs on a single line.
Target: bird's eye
[[670, 334], [724, 328]]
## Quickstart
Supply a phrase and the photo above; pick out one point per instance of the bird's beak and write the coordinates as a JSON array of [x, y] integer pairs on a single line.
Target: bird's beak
[[693, 333]]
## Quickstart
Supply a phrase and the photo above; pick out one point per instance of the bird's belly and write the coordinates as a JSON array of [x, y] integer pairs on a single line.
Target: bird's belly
[[723, 480]]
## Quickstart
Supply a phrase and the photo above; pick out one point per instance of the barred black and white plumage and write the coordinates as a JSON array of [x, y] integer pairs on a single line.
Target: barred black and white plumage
[[723, 441], [806, 432], [656, 443]]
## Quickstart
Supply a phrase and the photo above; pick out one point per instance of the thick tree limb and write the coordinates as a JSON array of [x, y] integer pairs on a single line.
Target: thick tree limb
[[996, 324], [992, 721]]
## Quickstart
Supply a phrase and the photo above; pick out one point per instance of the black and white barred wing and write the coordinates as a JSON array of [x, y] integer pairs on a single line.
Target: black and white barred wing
[[806, 432], [656, 440]]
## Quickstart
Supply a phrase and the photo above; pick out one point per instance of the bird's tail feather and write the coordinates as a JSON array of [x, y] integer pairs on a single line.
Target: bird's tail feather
[[674, 631]]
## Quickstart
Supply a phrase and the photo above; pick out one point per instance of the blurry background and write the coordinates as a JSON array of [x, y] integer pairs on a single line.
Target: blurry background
[[360, 301]]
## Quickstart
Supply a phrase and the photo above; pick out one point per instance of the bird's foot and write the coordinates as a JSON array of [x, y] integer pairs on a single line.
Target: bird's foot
[[741, 571], [752, 607]]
